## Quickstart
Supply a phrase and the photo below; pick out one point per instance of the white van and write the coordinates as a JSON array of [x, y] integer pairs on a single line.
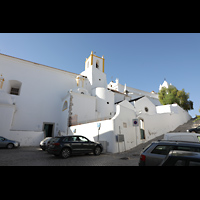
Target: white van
[[182, 136]]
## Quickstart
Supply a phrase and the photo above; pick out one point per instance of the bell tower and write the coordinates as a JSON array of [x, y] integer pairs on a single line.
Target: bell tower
[[95, 62], [94, 71]]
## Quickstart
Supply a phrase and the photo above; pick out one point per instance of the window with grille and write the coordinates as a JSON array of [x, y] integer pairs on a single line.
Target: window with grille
[[15, 87]]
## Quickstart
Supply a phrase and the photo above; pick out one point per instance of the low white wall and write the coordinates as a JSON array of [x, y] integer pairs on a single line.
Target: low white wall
[[6, 116], [122, 124], [155, 127], [163, 109], [90, 130], [26, 138]]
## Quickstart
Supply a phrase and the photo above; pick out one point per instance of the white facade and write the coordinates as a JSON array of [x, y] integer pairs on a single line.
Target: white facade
[[38, 101]]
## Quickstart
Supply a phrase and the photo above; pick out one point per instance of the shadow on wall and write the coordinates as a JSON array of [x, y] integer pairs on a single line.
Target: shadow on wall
[[110, 138]]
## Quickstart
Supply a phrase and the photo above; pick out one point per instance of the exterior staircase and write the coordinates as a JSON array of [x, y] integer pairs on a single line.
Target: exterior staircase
[[188, 125]]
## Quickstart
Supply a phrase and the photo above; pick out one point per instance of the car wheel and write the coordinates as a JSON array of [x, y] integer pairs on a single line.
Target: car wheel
[[10, 146], [97, 151], [65, 153]]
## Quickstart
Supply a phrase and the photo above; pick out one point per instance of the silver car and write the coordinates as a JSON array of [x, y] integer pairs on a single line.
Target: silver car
[[6, 143], [157, 151], [43, 143]]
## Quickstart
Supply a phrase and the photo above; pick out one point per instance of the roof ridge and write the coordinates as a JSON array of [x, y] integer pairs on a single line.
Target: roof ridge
[[38, 63]]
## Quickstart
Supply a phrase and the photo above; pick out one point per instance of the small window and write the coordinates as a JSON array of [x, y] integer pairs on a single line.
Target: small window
[[83, 139], [75, 139], [162, 149], [14, 91], [67, 139], [72, 139], [146, 109], [15, 87], [124, 124], [65, 106], [184, 148], [97, 64]]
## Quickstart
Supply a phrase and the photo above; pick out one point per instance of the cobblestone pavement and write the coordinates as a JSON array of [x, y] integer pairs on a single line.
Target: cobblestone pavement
[[34, 156]]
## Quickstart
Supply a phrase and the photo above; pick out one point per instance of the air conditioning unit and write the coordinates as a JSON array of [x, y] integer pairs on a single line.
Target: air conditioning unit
[[120, 138]]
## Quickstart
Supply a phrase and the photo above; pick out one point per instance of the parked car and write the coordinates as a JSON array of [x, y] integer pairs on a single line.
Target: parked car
[[181, 158], [196, 130], [64, 146], [181, 136], [6, 143], [43, 143], [156, 152]]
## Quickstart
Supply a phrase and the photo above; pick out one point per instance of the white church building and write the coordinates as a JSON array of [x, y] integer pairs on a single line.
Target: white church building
[[37, 101]]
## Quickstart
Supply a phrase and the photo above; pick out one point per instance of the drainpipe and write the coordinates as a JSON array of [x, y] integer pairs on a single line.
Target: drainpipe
[[118, 138], [70, 111]]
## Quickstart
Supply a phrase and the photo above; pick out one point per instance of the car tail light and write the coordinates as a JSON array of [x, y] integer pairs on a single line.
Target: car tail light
[[56, 144], [142, 157]]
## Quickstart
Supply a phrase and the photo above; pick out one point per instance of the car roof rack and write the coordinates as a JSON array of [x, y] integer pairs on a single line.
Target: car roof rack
[[178, 141]]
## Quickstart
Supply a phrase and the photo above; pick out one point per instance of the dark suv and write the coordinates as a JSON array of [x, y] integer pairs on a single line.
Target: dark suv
[[75, 144], [157, 151]]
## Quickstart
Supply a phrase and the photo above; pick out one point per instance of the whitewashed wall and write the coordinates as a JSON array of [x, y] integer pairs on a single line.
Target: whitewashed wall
[[41, 94], [26, 138], [82, 108], [90, 130], [145, 103], [122, 124], [44, 91], [156, 125]]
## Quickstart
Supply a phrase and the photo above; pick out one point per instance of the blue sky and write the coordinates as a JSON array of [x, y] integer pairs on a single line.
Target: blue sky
[[141, 60]]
